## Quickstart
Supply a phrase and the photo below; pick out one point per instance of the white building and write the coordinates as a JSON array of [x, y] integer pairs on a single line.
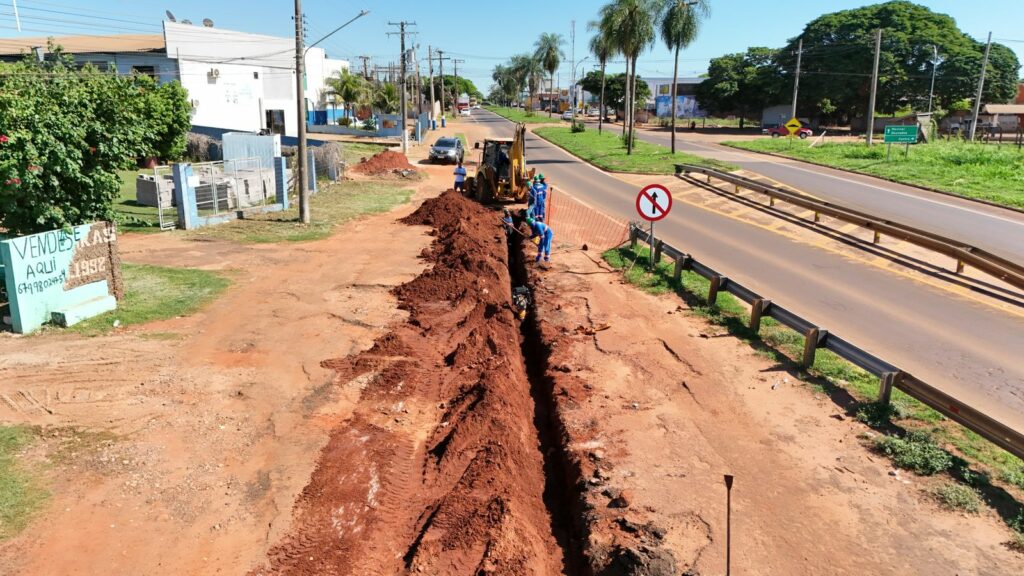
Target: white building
[[236, 81]]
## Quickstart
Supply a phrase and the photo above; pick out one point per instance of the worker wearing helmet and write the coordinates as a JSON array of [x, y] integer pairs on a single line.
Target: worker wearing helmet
[[543, 233], [539, 197]]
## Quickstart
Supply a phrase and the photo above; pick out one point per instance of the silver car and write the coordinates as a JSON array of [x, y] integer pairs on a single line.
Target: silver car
[[447, 150]]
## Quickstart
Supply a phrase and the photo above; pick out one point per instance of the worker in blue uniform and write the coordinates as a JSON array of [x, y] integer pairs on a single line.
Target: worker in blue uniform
[[540, 197], [542, 232]]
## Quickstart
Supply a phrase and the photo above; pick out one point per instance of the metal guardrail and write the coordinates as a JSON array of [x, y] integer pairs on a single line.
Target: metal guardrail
[[816, 337], [998, 267]]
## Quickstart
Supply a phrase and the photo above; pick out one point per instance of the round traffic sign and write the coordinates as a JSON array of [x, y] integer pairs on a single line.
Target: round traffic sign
[[653, 202]]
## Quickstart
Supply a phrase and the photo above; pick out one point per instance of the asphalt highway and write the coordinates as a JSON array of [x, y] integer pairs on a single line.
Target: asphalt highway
[[997, 230], [971, 351]]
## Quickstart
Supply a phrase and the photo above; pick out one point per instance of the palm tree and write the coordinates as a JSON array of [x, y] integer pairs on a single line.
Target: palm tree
[[352, 89], [602, 50], [529, 72], [629, 26], [680, 22], [386, 99], [549, 54]]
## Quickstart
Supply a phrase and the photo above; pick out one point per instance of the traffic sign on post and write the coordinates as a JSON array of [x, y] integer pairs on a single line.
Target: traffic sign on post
[[896, 134], [793, 125], [653, 202]]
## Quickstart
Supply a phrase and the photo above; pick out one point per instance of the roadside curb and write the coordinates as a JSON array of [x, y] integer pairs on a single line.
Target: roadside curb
[[848, 171]]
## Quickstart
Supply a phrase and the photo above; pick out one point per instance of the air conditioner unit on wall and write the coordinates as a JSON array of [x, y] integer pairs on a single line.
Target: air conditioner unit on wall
[[214, 73]]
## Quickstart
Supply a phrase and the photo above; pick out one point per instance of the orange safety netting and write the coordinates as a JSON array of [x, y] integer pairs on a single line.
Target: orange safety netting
[[576, 222]]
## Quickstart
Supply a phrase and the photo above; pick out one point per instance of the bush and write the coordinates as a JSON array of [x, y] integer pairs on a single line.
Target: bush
[[915, 452], [952, 496], [1015, 477], [578, 126], [369, 124], [344, 121], [64, 133], [877, 414]]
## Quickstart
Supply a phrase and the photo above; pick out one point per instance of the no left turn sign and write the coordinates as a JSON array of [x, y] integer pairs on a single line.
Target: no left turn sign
[[653, 202]]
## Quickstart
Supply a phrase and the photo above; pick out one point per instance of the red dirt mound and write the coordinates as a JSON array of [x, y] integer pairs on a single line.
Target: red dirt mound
[[384, 163], [438, 471]]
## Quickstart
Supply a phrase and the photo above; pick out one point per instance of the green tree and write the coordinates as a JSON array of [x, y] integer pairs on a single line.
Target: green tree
[[169, 115], [352, 89], [741, 83], [680, 22], [549, 54], [386, 99], [629, 27], [839, 52], [64, 134]]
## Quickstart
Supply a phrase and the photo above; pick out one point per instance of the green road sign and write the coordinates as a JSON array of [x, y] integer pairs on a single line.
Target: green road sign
[[901, 134]]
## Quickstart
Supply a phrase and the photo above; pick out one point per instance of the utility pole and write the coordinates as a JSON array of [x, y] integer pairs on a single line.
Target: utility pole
[[456, 64], [981, 86], [366, 66], [874, 88], [572, 85], [430, 66], [935, 64], [440, 63], [796, 78], [300, 114], [404, 111]]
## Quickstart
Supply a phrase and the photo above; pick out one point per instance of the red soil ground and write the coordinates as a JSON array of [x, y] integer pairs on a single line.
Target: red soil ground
[[438, 471], [383, 163]]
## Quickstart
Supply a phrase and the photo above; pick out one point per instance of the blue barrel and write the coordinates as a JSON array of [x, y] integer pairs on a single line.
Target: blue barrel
[[443, 123], [433, 124]]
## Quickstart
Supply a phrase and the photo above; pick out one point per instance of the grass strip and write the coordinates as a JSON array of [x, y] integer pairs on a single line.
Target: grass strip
[[606, 151], [333, 205], [21, 495], [157, 293], [973, 170], [520, 115]]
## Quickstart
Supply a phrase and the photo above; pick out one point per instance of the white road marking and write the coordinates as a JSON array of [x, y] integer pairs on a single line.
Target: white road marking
[[771, 160]]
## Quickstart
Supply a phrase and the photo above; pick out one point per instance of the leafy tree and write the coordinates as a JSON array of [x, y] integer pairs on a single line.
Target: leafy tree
[[615, 91], [64, 134], [628, 25], [549, 53], [839, 53], [451, 91], [352, 89], [741, 83]]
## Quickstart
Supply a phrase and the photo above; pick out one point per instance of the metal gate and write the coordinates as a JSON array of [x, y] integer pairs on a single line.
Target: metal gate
[[233, 185], [167, 213]]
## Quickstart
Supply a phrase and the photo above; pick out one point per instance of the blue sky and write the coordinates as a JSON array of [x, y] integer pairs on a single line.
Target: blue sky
[[483, 33]]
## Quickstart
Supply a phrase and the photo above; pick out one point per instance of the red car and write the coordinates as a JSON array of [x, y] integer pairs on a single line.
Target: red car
[[783, 131]]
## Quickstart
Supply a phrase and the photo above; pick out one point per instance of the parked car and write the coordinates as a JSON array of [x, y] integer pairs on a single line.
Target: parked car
[[778, 131], [567, 115], [447, 150], [464, 111]]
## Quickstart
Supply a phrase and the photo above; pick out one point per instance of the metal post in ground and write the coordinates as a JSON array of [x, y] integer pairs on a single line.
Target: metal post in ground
[[728, 524]]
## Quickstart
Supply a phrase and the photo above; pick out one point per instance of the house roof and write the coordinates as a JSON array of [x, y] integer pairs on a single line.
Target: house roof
[[1004, 108], [87, 44]]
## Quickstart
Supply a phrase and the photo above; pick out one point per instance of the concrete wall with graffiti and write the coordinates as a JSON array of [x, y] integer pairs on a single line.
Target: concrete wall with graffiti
[[61, 276]]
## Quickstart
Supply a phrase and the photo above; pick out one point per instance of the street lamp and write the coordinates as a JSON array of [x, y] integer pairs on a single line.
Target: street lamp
[[574, 82], [300, 96]]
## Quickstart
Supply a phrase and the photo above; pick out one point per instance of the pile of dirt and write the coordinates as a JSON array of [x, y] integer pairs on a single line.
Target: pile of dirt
[[438, 471], [384, 162]]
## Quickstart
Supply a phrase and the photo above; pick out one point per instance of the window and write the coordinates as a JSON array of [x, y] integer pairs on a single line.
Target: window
[[255, 75], [145, 70]]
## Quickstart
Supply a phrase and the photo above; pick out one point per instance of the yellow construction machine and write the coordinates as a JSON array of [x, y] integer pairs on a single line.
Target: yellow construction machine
[[501, 175]]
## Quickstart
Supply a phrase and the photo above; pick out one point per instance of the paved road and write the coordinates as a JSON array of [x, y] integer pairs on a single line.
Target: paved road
[[988, 227], [969, 350]]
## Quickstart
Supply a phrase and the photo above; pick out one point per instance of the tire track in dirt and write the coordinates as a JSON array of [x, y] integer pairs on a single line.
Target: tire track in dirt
[[439, 470]]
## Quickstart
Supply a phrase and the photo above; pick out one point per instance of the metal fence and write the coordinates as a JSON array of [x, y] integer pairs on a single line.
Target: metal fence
[[233, 185], [816, 337], [575, 222], [167, 212], [964, 254]]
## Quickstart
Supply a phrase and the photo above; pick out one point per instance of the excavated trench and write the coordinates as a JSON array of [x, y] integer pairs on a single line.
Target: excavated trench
[[561, 478], [453, 461]]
